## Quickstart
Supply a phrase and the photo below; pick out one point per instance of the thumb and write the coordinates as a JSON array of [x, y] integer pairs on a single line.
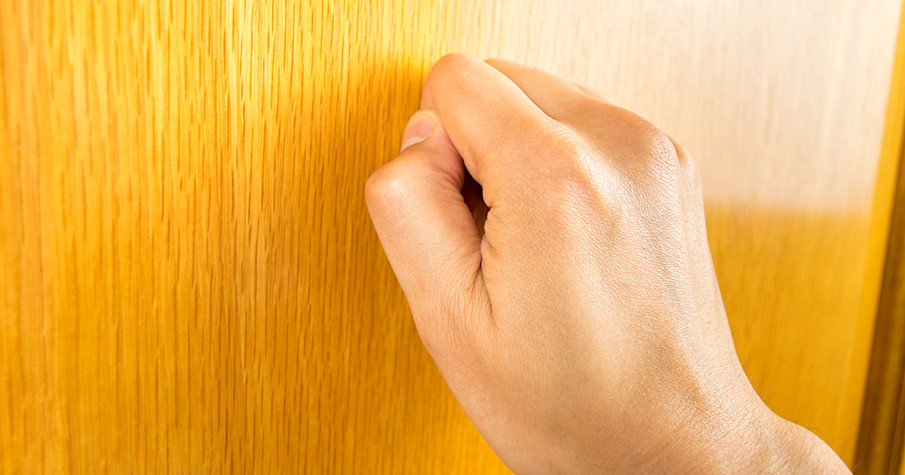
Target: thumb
[[425, 226]]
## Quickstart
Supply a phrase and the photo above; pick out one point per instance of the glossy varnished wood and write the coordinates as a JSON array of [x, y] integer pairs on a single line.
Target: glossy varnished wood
[[189, 280]]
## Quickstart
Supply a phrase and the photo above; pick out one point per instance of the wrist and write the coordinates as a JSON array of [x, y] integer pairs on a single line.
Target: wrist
[[737, 437], [740, 438], [793, 449], [763, 442]]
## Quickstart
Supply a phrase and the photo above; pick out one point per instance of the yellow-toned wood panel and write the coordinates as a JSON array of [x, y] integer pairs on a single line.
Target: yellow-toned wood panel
[[882, 428], [189, 280]]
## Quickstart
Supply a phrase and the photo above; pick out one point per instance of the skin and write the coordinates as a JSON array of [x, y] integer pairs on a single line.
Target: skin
[[553, 250]]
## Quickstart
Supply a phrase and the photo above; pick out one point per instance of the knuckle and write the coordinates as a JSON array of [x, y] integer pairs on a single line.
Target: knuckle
[[686, 169], [689, 168], [570, 159], [649, 154], [388, 184], [375, 185], [567, 170], [454, 62], [556, 147], [686, 162], [452, 70], [657, 146], [637, 142]]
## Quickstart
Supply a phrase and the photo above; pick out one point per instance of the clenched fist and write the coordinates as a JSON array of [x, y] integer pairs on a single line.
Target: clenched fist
[[552, 248]]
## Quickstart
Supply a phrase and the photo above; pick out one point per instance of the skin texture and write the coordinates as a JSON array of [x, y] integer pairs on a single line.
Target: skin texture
[[553, 250]]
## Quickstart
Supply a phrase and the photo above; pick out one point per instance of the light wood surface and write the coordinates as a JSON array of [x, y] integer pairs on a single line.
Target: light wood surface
[[189, 280]]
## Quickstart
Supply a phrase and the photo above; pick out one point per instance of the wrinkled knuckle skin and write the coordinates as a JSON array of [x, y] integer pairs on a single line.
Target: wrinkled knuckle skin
[[387, 185], [685, 158], [658, 147], [452, 71], [689, 168], [576, 160], [564, 145], [372, 188], [553, 147], [569, 170], [454, 64]]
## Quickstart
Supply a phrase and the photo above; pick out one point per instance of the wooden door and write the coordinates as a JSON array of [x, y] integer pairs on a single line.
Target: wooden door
[[189, 279]]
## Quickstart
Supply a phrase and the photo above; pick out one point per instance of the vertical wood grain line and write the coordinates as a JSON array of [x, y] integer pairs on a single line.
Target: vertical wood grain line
[[880, 439]]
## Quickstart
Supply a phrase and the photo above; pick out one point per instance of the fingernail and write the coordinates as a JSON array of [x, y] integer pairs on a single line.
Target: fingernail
[[418, 128]]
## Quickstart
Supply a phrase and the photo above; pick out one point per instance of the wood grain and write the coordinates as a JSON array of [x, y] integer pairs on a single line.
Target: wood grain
[[189, 280], [881, 439]]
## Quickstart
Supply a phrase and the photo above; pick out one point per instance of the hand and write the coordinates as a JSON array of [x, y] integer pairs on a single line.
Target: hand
[[580, 326]]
